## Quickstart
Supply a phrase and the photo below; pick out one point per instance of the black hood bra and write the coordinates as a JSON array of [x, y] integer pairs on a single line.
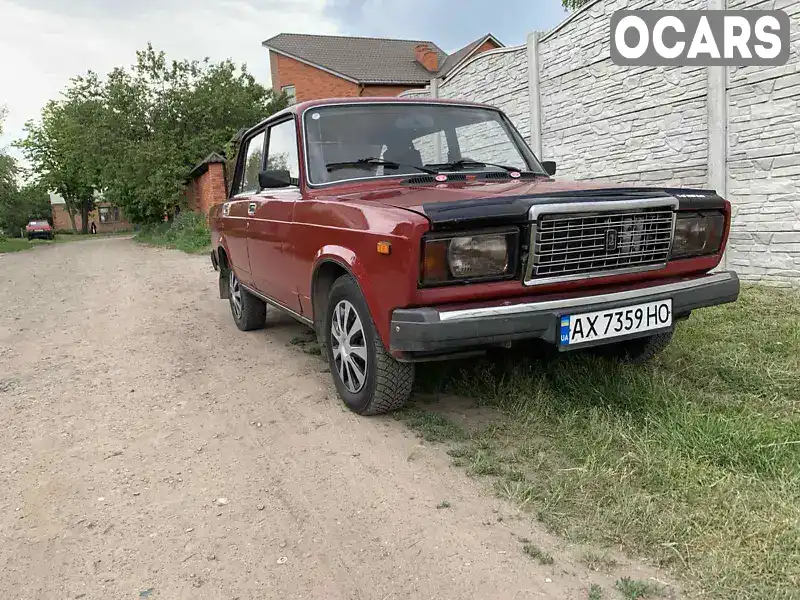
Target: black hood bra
[[514, 209]]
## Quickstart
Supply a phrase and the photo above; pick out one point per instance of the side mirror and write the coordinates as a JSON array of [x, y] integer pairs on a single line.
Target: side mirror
[[277, 178], [549, 166]]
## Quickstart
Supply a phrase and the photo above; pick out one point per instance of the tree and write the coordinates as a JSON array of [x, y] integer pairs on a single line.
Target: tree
[[25, 203], [162, 117], [18, 205], [64, 154], [574, 4], [135, 135]]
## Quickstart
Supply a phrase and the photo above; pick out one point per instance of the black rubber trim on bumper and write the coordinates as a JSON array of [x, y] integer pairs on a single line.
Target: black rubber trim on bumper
[[428, 330]]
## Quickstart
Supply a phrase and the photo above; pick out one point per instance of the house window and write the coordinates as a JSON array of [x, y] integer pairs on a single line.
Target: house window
[[108, 214], [290, 93]]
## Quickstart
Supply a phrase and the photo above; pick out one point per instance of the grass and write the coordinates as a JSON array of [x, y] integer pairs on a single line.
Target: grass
[[8, 244], [598, 562], [188, 232], [595, 592], [431, 427], [692, 461], [536, 553], [443, 504], [632, 589]]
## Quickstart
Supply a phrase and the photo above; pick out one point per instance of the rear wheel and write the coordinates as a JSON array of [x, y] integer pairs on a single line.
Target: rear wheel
[[248, 311], [369, 380]]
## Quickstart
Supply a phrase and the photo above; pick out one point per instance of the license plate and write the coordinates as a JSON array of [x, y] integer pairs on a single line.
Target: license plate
[[605, 324]]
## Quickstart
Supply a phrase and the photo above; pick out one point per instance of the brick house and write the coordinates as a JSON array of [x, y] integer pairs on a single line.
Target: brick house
[[107, 217], [308, 67]]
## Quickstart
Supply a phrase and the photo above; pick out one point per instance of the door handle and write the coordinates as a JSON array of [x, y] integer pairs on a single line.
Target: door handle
[[251, 209]]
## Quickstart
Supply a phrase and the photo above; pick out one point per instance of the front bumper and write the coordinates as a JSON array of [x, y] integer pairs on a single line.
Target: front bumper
[[432, 331], [40, 234]]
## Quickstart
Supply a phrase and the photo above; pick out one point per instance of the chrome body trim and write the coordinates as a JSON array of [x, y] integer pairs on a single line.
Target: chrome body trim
[[584, 301], [278, 305]]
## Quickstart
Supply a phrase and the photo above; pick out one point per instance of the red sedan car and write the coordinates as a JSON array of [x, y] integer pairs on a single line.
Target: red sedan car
[[39, 230], [417, 230]]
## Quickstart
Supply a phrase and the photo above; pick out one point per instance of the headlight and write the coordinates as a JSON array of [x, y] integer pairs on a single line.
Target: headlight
[[697, 233], [468, 257]]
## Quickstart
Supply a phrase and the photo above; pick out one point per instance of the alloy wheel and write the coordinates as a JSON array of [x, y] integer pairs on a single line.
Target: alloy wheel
[[236, 294], [349, 345]]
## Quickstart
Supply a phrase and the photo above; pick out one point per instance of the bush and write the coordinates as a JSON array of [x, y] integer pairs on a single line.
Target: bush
[[188, 232]]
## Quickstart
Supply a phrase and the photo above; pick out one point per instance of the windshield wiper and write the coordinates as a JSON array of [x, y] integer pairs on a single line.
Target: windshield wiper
[[466, 163], [367, 163]]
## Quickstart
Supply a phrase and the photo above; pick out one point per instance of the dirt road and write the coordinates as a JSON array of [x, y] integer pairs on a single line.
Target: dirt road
[[152, 450]]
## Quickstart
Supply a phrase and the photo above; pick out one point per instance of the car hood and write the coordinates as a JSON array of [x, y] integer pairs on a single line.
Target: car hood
[[38, 227], [449, 204]]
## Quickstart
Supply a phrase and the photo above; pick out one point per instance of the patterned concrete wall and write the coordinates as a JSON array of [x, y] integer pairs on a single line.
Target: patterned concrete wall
[[634, 125], [763, 162], [650, 125], [497, 77]]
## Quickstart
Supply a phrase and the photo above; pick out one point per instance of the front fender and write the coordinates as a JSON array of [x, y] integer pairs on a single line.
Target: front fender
[[349, 261]]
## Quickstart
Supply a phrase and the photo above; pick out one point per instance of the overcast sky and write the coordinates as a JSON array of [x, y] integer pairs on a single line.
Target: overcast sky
[[45, 42]]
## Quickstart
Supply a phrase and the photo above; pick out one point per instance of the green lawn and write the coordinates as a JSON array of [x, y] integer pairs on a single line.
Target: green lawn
[[692, 461]]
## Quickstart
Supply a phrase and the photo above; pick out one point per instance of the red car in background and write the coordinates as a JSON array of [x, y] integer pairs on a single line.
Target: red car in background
[[39, 230], [417, 230]]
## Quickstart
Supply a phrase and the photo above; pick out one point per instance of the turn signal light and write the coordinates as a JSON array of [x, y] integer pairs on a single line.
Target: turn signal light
[[384, 247]]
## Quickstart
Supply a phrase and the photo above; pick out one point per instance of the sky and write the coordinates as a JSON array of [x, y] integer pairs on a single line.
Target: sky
[[46, 42]]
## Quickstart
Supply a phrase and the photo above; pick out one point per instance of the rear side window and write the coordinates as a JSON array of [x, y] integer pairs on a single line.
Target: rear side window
[[252, 161]]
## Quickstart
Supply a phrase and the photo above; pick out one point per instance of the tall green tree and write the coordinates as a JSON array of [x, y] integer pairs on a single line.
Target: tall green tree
[[162, 117], [135, 135], [18, 204], [63, 153]]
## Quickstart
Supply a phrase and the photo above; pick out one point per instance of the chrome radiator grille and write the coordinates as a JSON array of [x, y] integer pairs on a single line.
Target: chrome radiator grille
[[571, 245]]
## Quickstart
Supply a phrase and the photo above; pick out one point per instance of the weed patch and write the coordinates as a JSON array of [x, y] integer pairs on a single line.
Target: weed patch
[[692, 460], [188, 232]]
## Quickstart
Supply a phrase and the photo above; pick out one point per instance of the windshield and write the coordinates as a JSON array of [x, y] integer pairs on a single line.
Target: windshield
[[412, 135], [38, 223]]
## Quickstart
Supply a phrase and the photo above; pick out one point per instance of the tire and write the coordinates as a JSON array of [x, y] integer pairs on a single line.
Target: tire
[[248, 311], [356, 349], [639, 350]]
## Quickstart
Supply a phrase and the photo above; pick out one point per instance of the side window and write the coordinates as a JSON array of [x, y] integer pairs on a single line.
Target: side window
[[282, 151], [252, 164]]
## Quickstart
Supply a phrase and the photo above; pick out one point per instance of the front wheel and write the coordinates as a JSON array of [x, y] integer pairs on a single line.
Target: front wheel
[[638, 350], [369, 380]]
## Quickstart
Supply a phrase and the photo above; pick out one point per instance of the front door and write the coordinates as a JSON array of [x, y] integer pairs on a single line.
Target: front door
[[241, 206], [268, 239]]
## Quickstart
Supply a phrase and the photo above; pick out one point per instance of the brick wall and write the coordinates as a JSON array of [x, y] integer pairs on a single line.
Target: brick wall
[[207, 189], [310, 83], [61, 220], [487, 45]]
